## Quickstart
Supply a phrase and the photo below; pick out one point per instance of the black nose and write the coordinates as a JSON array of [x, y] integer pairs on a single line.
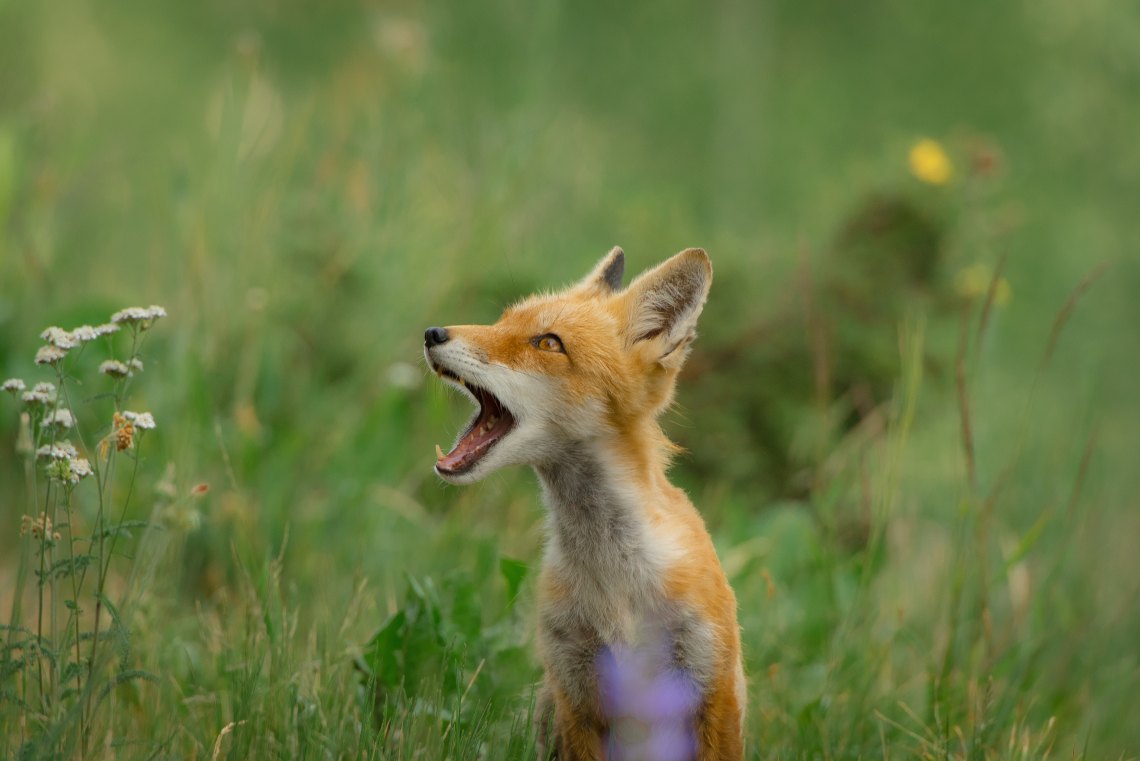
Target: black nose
[[435, 336]]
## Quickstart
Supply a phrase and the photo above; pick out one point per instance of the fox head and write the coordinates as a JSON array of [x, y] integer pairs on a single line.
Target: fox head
[[592, 363]]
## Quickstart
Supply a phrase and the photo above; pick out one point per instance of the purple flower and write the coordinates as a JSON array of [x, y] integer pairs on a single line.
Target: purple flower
[[650, 704]]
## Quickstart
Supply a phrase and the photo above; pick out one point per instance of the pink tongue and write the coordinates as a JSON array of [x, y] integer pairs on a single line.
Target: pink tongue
[[472, 446]]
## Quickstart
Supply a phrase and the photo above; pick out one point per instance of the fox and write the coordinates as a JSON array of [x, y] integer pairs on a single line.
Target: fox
[[637, 626]]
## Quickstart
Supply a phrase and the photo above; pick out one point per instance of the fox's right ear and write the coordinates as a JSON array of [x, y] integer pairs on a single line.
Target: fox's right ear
[[664, 304], [606, 275]]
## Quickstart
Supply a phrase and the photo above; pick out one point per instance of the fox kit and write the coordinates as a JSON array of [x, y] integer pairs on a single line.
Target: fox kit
[[637, 623]]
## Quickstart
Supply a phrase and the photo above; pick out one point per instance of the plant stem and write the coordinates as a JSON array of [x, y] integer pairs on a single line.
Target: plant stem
[[76, 584], [103, 558]]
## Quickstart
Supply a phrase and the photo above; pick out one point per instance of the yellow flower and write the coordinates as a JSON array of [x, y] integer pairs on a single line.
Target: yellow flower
[[974, 281], [929, 162]]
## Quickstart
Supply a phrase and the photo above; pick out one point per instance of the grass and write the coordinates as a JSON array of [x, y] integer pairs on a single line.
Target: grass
[[925, 498]]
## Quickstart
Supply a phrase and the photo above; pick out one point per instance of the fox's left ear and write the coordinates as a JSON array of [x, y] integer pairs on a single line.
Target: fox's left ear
[[606, 275], [665, 302]]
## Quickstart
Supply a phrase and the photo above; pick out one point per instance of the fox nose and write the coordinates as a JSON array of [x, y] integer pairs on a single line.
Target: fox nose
[[435, 337]]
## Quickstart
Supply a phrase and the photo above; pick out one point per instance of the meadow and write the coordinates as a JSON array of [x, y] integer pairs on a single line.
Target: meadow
[[910, 420]]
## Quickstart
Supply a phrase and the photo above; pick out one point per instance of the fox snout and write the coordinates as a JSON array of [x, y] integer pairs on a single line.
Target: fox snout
[[435, 337]]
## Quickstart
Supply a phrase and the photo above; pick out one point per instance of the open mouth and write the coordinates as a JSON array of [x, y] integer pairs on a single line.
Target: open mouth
[[490, 425]]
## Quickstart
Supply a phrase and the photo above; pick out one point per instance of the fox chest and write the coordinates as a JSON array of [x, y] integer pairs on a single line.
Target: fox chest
[[609, 603], [621, 638]]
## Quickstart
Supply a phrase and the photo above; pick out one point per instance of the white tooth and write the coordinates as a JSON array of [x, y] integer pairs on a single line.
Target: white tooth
[[438, 452]]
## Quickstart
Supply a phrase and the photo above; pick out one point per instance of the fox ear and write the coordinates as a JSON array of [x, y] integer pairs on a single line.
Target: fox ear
[[665, 302], [606, 275]]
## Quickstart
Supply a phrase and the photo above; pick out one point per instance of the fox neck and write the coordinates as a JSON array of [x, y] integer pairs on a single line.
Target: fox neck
[[598, 518]]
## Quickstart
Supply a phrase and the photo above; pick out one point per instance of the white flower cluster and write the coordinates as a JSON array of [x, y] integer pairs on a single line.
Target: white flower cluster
[[70, 471], [114, 368], [80, 468], [61, 417], [46, 414], [41, 393], [87, 333], [138, 314], [143, 420], [58, 342], [64, 463], [117, 369], [50, 354], [69, 339], [59, 338], [63, 450]]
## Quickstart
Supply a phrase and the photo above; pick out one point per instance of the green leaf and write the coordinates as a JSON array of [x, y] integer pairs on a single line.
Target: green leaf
[[67, 566], [1027, 542], [380, 655], [513, 571], [72, 669], [122, 635], [122, 529]]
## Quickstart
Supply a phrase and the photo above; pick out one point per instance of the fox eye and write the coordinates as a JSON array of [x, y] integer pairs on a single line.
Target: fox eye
[[548, 342]]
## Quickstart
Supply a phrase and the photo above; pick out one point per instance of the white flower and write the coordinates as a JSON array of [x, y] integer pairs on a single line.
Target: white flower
[[41, 393], [61, 417], [106, 329], [130, 314], [114, 368], [59, 338], [138, 314], [13, 386], [50, 354], [85, 333], [80, 468], [68, 469], [143, 420], [135, 364], [60, 451]]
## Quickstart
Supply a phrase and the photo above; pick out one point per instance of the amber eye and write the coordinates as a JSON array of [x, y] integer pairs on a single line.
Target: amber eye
[[548, 342]]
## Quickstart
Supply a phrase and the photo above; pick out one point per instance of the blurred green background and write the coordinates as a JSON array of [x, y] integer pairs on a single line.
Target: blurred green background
[[306, 186]]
